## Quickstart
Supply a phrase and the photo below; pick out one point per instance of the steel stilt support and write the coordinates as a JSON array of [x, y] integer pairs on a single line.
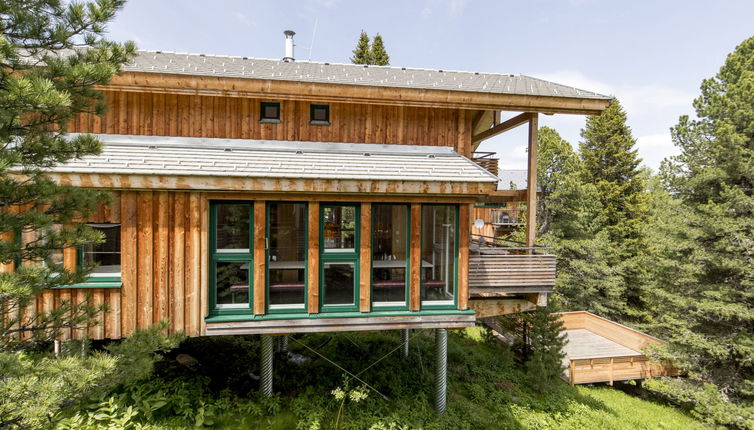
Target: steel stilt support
[[404, 344], [265, 383], [441, 369], [283, 343]]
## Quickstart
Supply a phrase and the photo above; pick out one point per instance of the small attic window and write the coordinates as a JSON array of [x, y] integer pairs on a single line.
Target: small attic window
[[319, 114], [269, 112]]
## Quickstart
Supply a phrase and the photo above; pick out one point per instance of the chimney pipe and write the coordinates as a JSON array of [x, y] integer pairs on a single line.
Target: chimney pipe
[[289, 45]]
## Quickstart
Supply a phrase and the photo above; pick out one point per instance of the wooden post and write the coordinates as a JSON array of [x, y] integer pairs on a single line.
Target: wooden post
[[571, 372], [365, 263], [464, 224], [531, 186], [416, 258], [313, 259], [611, 372], [260, 256]]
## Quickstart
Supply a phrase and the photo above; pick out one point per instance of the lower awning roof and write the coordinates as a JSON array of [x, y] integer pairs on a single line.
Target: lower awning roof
[[155, 162]]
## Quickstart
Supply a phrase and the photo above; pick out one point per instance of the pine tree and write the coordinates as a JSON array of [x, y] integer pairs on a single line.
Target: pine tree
[[52, 54], [610, 162], [546, 339], [378, 52], [707, 274], [362, 53]]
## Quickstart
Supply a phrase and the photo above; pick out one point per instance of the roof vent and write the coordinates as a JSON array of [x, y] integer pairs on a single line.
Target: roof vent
[[366, 154], [228, 149], [299, 152], [289, 46]]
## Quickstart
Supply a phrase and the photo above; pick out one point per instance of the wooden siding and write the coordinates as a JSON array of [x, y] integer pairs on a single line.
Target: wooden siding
[[164, 258], [492, 275], [157, 114]]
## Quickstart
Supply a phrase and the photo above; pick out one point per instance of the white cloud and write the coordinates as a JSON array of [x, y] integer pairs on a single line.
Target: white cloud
[[325, 3], [654, 148], [453, 8], [243, 19]]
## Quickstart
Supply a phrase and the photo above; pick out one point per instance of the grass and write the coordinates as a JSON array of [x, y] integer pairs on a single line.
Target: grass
[[487, 389]]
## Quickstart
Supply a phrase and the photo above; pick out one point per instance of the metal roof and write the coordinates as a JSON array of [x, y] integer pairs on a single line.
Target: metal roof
[[512, 179], [184, 156], [350, 74]]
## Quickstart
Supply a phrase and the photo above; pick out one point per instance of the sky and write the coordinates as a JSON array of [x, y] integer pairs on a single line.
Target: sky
[[651, 55]]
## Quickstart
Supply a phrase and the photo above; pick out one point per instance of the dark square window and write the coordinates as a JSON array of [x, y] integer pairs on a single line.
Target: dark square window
[[270, 112], [105, 255], [319, 114]]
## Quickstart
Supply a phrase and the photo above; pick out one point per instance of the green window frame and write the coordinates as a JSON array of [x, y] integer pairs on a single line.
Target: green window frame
[[384, 306], [229, 257], [428, 305], [280, 310], [96, 280], [335, 257], [313, 109]]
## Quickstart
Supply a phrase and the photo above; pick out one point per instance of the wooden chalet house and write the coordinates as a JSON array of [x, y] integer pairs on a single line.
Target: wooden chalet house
[[255, 196]]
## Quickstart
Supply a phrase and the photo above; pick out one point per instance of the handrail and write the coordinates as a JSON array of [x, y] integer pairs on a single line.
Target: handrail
[[492, 243]]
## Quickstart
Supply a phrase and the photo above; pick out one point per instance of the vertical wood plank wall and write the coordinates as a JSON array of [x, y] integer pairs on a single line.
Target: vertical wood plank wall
[[164, 256], [153, 114]]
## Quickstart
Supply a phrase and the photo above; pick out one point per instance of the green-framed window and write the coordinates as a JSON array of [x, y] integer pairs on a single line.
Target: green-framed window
[[339, 257], [105, 256], [231, 257], [390, 277], [439, 256], [286, 253]]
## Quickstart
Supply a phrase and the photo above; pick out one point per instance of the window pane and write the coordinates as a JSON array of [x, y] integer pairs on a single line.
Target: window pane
[[340, 228], [232, 281], [287, 253], [106, 254], [339, 283], [389, 240], [438, 253], [233, 227]]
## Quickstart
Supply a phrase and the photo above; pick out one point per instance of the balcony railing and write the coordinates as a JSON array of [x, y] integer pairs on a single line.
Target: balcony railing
[[487, 161], [507, 216], [499, 267]]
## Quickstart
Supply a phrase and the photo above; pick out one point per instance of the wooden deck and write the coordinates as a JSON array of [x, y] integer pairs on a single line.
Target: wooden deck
[[600, 350]]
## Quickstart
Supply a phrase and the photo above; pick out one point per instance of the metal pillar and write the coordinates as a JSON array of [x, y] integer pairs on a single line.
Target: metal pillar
[[441, 369], [283, 345], [265, 383], [404, 344]]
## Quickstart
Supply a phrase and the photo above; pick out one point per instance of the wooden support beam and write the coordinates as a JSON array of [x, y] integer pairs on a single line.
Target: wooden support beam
[[260, 253], [464, 224], [365, 262], [415, 279], [312, 272], [502, 127], [531, 186]]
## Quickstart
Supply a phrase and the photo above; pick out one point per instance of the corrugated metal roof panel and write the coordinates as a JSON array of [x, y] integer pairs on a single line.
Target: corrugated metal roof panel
[[179, 156]]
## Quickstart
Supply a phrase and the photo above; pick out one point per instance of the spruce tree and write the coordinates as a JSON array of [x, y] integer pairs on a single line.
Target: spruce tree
[[705, 282], [52, 54], [610, 162], [378, 53], [362, 53]]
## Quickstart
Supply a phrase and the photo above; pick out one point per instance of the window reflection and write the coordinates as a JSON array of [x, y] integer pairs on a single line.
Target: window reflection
[[287, 255], [389, 256], [438, 254]]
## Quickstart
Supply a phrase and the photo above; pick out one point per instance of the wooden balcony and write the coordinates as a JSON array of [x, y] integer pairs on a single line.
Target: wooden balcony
[[487, 161], [499, 268], [507, 217]]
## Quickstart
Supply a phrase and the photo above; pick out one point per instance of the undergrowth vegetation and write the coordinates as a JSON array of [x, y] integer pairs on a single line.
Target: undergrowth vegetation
[[217, 387]]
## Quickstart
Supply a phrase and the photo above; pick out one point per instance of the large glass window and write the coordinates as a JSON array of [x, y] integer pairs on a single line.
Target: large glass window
[[286, 265], [389, 254], [439, 254], [231, 255], [105, 255], [340, 280], [339, 228], [339, 257]]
